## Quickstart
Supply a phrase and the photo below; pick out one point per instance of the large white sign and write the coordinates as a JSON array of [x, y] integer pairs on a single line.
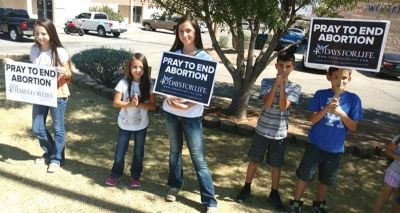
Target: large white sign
[[31, 83]]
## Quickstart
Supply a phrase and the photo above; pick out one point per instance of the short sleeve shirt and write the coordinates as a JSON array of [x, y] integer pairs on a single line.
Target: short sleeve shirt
[[395, 165], [330, 133], [45, 58], [273, 123], [131, 118]]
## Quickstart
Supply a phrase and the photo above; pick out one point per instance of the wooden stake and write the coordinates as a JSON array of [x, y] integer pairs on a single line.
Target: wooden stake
[[338, 83]]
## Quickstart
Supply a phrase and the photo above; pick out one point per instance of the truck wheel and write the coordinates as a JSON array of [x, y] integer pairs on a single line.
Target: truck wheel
[[101, 32], [147, 27], [14, 36], [80, 32], [116, 35]]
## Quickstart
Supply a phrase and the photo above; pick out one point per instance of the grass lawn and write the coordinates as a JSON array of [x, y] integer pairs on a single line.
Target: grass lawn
[[91, 124]]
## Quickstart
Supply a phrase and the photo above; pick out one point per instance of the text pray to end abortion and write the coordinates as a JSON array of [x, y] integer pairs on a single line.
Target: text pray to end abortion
[[188, 69], [348, 34]]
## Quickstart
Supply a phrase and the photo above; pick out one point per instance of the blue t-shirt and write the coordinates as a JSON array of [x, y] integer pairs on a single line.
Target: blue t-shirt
[[330, 133]]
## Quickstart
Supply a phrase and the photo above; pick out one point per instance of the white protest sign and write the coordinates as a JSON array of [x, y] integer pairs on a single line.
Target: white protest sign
[[31, 83]]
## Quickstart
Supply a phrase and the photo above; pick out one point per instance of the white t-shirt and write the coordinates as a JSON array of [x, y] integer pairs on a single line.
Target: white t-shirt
[[131, 118], [197, 109], [44, 58]]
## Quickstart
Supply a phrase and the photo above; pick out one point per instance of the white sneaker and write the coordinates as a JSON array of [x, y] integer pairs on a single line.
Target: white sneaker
[[212, 209], [40, 161], [171, 194], [53, 167]]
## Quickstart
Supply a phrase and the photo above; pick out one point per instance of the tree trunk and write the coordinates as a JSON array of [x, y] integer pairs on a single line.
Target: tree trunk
[[240, 101]]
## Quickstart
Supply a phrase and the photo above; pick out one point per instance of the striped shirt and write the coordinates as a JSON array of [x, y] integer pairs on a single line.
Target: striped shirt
[[273, 123]]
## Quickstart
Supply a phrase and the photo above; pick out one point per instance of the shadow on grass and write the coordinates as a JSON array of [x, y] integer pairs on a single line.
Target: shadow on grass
[[91, 137], [67, 193]]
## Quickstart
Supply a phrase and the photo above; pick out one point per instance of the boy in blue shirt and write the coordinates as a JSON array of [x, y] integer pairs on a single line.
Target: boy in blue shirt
[[278, 94], [335, 111]]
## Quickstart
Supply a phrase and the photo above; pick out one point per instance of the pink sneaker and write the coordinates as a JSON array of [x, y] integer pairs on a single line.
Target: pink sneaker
[[111, 181], [135, 183]]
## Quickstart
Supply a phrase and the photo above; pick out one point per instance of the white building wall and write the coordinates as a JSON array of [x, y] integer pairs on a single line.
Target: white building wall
[[63, 10]]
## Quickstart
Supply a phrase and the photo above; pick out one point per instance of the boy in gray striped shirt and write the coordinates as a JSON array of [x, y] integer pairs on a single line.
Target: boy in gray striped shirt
[[278, 94]]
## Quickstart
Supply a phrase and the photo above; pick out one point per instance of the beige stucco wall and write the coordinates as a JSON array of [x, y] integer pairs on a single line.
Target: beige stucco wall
[[117, 2], [124, 11], [372, 10], [20, 4]]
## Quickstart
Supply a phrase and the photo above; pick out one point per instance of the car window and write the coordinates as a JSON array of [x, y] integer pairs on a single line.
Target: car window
[[84, 15], [21, 14], [100, 16]]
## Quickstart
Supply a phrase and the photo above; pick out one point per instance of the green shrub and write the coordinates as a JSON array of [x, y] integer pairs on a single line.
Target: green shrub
[[223, 41], [104, 65], [110, 13]]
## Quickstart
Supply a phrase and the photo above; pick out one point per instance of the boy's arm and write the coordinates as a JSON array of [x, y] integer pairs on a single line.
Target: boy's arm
[[347, 121], [284, 104], [269, 97], [317, 116]]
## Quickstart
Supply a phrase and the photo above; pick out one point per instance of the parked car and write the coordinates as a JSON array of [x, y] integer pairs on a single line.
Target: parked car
[[297, 30], [290, 37], [16, 23], [98, 21], [203, 27], [391, 64], [160, 22], [261, 39]]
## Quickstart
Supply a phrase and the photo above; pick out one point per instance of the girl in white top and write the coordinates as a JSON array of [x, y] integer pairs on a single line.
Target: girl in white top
[[49, 51], [133, 95], [184, 119]]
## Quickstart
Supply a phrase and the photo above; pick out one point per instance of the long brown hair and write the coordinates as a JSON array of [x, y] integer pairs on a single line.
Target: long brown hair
[[144, 83], [197, 40], [54, 40]]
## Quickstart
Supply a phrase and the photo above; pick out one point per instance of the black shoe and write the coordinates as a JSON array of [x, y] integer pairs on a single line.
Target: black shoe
[[319, 207], [243, 195], [295, 206], [275, 201]]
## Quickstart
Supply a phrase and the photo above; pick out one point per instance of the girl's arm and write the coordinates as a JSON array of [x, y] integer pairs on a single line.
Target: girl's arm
[[389, 150], [117, 103], [151, 104], [65, 71], [178, 104]]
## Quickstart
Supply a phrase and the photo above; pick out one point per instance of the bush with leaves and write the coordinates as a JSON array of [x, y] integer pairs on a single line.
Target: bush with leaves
[[223, 41], [109, 11], [104, 65]]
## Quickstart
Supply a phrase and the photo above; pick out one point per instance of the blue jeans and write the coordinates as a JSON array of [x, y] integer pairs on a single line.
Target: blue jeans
[[138, 153], [53, 148], [193, 130]]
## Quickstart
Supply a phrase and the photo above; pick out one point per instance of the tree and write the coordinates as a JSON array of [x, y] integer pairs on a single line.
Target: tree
[[109, 11], [276, 15]]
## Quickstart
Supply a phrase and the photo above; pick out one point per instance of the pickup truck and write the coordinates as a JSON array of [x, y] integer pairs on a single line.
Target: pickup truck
[[98, 21], [16, 23], [160, 23]]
